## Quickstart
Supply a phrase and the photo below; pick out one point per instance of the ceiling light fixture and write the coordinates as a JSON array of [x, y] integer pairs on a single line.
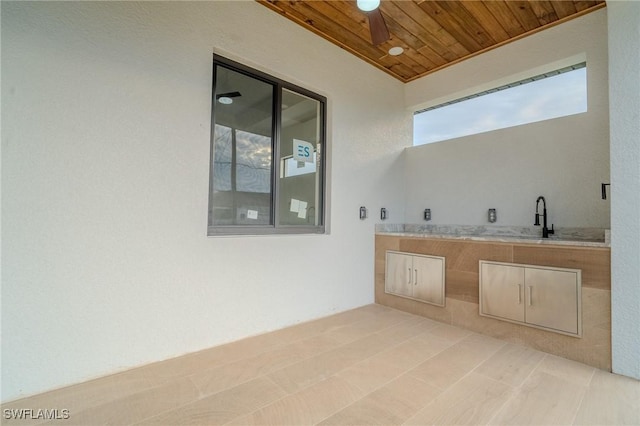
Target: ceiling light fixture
[[225, 100], [368, 5], [395, 51]]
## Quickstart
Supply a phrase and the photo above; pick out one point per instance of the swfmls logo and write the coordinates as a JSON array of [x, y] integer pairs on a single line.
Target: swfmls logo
[[302, 151]]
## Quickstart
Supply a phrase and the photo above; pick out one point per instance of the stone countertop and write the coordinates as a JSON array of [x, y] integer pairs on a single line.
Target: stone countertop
[[581, 237]]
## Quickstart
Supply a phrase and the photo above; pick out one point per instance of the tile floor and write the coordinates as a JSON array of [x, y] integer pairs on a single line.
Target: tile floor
[[372, 365]]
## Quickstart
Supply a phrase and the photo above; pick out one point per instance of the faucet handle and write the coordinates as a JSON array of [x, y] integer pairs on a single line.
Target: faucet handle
[[551, 231]]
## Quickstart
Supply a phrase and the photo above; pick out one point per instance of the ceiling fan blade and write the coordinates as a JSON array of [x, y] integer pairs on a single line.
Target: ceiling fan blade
[[228, 95], [379, 31]]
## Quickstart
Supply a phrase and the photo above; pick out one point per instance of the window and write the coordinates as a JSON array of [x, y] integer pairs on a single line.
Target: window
[[267, 165], [554, 94]]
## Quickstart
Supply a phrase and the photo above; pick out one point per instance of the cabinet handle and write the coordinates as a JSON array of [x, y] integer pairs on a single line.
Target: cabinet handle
[[519, 294], [530, 295], [410, 276], [416, 277]]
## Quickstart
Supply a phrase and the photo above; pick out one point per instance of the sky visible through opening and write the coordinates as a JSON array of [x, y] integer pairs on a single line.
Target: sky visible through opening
[[551, 97]]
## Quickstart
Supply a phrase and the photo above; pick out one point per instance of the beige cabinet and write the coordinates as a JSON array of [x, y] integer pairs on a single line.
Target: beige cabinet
[[415, 276], [501, 291], [538, 296]]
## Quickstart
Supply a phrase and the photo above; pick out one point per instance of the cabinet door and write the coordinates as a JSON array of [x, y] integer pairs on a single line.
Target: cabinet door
[[501, 291], [552, 299], [399, 274], [428, 279]]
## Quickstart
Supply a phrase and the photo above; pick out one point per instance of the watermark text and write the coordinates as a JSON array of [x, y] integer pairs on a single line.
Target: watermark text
[[35, 414]]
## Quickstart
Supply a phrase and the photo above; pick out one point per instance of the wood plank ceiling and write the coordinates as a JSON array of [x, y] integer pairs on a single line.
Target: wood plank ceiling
[[433, 34]]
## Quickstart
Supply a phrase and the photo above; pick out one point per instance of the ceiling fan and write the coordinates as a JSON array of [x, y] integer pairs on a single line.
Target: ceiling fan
[[227, 98], [377, 26]]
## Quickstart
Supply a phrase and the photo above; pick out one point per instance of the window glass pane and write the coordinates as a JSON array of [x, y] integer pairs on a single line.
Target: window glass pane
[[300, 197], [242, 150], [222, 158], [254, 162], [537, 99]]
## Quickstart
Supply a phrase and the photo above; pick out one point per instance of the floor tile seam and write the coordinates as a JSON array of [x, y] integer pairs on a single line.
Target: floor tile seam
[[111, 376], [466, 374], [159, 414], [422, 362], [351, 341], [282, 343], [404, 371], [519, 389], [286, 395], [262, 372], [333, 374], [503, 344], [393, 324], [325, 331], [265, 375], [334, 349], [498, 411], [593, 375], [137, 393], [223, 364], [512, 391], [268, 374], [536, 369], [249, 413], [442, 394], [270, 371], [515, 390], [164, 411], [341, 409], [487, 359], [471, 333], [346, 342], [579, 406], [551, 373], [540, 361], [374, 355], [366, 395], [205, 396], [395, 345], [337, 411], [379, 387]]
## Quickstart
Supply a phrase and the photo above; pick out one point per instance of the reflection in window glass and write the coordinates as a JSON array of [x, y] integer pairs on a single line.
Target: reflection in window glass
[[556, 94], [222, 158], [300, 191], [253, 153], [242, 150]]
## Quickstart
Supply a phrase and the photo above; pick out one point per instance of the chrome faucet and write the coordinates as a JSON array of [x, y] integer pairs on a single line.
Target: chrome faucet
[[545, 231]]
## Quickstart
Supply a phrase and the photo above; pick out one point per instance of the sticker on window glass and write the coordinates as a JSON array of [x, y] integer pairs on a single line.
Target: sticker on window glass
[[302, 151], [295, 205], [302, 212], [252, 214]]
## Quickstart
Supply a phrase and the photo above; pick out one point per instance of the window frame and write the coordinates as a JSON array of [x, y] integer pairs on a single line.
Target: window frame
[[278, 86]]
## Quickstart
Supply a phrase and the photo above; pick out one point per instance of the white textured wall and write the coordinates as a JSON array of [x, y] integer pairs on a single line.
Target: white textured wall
[[563, 159], [624, 73], [105, 162]]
